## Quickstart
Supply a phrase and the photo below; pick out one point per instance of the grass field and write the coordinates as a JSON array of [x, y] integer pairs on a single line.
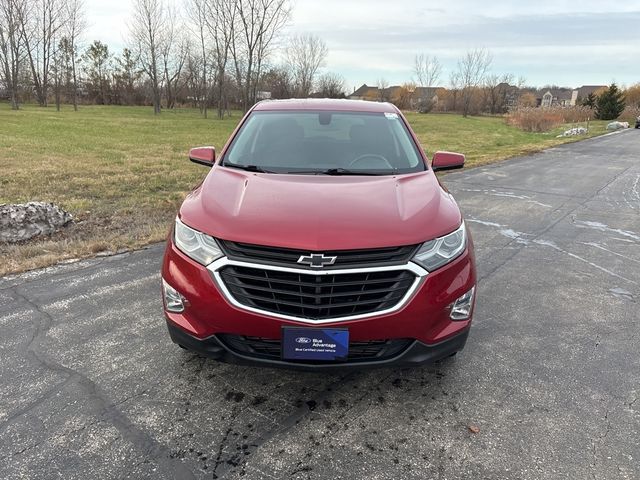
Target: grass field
[[122, 172]]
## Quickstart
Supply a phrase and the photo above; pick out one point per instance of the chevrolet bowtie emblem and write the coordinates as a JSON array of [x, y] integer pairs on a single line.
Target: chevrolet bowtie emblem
[[317, 260]]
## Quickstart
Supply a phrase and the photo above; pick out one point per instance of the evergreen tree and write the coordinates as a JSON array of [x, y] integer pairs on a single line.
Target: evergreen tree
[[589, 101], [126, 77], [610, 103], [97, 61]]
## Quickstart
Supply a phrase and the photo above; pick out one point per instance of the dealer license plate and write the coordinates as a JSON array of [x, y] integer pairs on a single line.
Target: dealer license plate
[[315, 343]]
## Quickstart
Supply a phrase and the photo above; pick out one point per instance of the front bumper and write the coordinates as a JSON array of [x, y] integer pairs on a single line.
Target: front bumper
[[424, 318], [417, 353]]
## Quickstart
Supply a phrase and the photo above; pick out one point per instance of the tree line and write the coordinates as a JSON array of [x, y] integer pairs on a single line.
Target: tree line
[[205, 53], [35, 40], [472, 87], [215, 54]]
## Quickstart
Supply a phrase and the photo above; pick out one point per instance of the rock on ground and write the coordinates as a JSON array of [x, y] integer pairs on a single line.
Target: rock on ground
[[574, 131], [617, 125], [19, 222]]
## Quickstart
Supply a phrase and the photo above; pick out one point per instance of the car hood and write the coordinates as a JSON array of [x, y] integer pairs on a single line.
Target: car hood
[[319, 212]]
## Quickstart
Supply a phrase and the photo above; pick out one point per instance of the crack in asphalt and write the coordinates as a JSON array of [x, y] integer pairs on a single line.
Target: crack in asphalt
[[600, 439], [107, 409]]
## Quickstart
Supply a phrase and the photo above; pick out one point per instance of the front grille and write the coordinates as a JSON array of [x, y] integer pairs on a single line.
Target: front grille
[[266, 348], [345, 258], [316, 297]]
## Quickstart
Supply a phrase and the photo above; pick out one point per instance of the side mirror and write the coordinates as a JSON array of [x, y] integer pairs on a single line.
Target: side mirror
[[203, 155], [447, 161]]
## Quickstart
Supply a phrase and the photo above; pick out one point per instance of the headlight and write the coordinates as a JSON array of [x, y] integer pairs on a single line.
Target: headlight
[[202, 248], [440, 251]]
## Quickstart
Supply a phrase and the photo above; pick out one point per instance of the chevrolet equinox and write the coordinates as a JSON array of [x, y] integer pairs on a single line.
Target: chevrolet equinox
[[320, 238]]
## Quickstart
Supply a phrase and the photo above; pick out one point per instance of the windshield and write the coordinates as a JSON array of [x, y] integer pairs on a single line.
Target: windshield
[[324, 142]]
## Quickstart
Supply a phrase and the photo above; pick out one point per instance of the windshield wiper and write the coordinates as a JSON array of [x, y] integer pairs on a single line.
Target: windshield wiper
[[248, 168], [339, 171], [346, 171]]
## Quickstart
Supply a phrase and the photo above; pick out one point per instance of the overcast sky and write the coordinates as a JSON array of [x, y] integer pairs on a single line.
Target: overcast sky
[[564, 42]]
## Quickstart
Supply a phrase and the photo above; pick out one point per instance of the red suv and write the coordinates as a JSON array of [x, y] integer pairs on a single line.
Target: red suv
[[320, 238]]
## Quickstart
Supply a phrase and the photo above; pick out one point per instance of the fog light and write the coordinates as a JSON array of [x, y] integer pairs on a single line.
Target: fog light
[[173, 301], [461, 308]]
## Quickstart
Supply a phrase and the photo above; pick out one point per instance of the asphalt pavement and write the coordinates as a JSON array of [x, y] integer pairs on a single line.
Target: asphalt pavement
[[547, 388]]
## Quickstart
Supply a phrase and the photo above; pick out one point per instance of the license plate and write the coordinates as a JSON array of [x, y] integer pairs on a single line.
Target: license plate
[[315, 343]]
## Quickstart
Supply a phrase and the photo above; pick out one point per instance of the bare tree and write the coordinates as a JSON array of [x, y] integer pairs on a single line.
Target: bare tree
[[427, 70], [472, 69], [61, 70], [12, 49], [497, 90], [221, 21], [174, 61], [383, 84], [278, 81], [258, 23], [146, 32], [57, 74], [193, 80], [199, 59], [39, 26], [491, 85], [306, 53], [454, 87], [331, 85], [73, 27], [403, 97], [174, 50]]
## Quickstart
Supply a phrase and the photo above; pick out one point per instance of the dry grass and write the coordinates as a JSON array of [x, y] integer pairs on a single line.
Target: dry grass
[[120, 171], [545, 119], [123, 173], [629, 115]]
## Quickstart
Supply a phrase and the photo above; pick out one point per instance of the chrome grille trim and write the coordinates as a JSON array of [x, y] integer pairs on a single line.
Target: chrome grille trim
[[419, 272]]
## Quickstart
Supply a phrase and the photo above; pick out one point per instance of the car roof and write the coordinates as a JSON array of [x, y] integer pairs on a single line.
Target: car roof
[[341, 105]]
